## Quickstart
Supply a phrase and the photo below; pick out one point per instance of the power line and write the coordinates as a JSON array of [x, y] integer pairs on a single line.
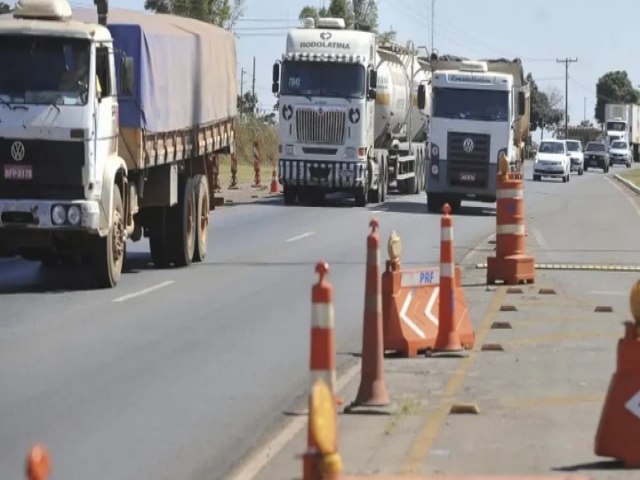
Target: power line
[[566, 62]]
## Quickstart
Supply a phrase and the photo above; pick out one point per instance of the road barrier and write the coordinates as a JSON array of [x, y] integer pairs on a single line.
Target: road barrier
[[256, 163], [322, 362], [454, 325], [38, 463], [233, 185], [510, 265], [410, 302], [275, 185], [618, 434], [372, 390]]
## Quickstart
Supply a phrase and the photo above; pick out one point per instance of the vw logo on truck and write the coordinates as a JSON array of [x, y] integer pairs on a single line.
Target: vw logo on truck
[[468, 145]]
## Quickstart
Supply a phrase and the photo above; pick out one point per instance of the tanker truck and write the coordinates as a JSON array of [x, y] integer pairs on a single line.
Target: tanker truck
[[479, 110], [108, 126], [349, 120]]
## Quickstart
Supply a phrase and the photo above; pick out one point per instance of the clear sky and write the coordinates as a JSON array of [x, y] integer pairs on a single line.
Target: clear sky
[[601, 35]]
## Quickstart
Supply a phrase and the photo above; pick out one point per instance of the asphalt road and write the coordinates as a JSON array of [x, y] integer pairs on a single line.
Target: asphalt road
[[178, 373]]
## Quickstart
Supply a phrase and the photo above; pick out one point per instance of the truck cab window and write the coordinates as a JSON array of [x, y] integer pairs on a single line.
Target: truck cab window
[[103, 73]]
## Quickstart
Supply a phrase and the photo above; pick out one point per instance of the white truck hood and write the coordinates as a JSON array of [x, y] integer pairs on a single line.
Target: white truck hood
[[618, 151]]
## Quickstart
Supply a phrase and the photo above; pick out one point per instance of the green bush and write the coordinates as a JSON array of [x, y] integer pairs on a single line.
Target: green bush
[[248, 130]]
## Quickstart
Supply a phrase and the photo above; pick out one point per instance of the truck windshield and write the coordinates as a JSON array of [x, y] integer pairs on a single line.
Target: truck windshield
[[621, 145], [467, 104], [616, 126], [44, 70], [340, 80]]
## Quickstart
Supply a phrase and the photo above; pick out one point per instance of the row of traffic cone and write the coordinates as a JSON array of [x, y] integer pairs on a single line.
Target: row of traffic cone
[[372, 391]]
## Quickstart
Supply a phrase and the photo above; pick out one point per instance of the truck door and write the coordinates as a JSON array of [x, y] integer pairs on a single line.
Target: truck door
[[106, 119]]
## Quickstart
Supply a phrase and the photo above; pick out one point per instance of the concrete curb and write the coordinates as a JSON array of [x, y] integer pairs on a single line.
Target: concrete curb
[[627, 184]]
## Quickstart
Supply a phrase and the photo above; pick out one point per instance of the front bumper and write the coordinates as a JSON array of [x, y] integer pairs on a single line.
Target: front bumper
[[616, 159], [549, 170], [37, 214], [326, 175]]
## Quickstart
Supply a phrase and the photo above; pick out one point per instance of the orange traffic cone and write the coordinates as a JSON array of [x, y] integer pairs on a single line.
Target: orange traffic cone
[[447, 339], [275, 186], [323, 352], [372, 391], [618, 434], [38, 463]]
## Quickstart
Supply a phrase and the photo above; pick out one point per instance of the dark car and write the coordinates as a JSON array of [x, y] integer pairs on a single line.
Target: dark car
[[596, 156]]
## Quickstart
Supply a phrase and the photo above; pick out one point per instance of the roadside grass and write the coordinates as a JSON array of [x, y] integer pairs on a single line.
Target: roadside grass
[[632, 175], [249, 129]]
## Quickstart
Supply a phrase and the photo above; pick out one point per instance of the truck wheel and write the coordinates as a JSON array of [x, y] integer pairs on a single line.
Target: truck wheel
[[182, 224], [109, 251], [434, 204], [377, 195], [289, 194], [202, 215], [159, 239]]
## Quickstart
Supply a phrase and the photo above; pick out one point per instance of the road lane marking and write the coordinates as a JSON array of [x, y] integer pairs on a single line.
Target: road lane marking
[[608, 292], [418, 454], [558, 337], [300, 237], [567, 401], [268, 452], [624, 193], [539, 238], [124, 298]]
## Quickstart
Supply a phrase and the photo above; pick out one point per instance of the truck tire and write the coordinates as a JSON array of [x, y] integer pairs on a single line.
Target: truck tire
[[289, 193], [379, 194], [108, 252], [201, 194], [434, 203], [159, 239], [182, 224]]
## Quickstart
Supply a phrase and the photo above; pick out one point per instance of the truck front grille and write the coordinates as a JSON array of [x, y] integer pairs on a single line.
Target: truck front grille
[[320, 126], [56, 169], [468, 166]]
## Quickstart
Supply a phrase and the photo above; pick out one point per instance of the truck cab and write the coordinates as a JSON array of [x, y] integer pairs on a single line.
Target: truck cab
[[476, 111], [58, 139]]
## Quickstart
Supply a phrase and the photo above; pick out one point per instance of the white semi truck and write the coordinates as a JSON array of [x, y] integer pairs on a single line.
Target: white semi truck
[[108, 126], [349, 116], [622, 122], [479, 110]]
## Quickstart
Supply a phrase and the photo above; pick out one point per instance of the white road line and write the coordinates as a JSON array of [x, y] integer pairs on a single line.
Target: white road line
[[608, 292], [300, 237], [124, 298], [539, 238], [267, 453]]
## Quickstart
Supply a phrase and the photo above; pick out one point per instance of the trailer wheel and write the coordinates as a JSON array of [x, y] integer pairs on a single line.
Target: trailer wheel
[[202, 217], [183, 224], [108, 252]]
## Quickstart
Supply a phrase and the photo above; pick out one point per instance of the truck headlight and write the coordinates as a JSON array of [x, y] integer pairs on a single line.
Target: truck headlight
[[350, 152], [73, 215], [435, 169], [58, 215]]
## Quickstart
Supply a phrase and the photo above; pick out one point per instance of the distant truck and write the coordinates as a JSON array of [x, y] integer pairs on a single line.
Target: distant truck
[[622, 122], [349, 120], [108, 131], [479, 110]]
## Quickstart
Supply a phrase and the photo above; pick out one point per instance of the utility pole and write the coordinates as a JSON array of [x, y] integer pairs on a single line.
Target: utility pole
[[433, 12], [242, 82], [585, 109], [253, 81], [566, 62]]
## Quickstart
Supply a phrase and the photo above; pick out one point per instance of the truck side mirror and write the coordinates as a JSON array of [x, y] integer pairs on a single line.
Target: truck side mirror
[[373, 79], [127, 76], [521, 103], [275, 87], [422, 97]]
